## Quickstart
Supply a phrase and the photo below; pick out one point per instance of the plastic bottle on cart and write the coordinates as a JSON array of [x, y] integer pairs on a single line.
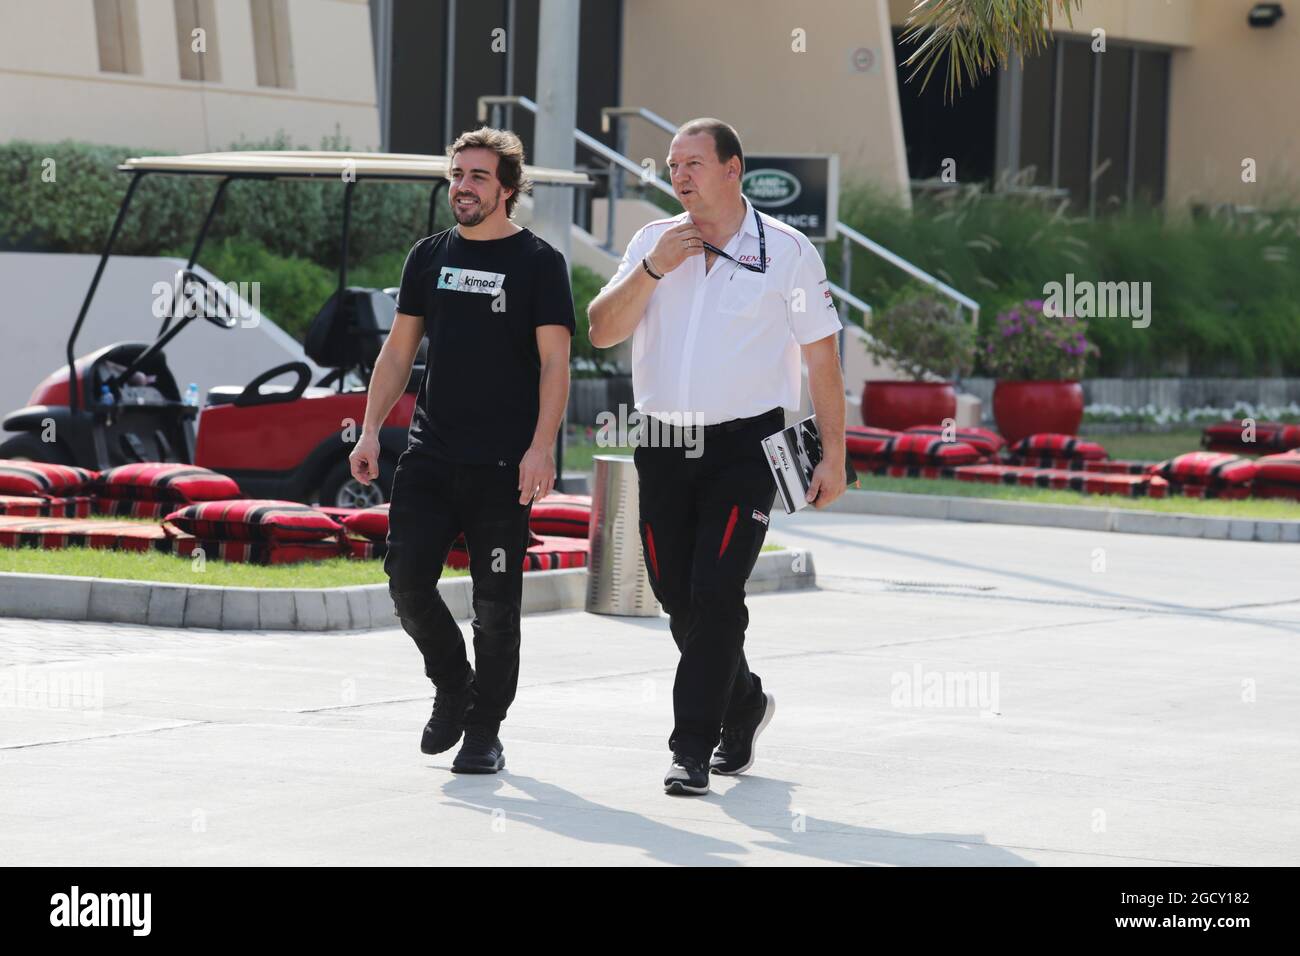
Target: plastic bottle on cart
[[192, 395]]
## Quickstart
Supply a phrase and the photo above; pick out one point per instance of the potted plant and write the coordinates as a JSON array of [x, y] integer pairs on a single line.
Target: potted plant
[[925, 339], [1037, 359]]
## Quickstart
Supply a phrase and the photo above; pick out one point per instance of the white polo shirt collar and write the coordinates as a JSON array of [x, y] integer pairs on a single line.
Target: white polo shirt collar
[[724, 344]]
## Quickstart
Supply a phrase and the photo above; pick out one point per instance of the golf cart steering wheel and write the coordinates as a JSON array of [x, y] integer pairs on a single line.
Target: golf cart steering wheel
[[213, 297]]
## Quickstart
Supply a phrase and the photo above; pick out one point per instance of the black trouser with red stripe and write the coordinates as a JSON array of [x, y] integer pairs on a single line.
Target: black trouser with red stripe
[[433, 502], [703, 521]]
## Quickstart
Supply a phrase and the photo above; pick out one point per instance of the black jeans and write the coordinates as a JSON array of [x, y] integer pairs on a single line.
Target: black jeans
[[703, 521], [433, 502]]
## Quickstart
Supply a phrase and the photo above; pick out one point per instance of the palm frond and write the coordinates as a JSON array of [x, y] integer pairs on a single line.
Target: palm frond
[[976, 36]]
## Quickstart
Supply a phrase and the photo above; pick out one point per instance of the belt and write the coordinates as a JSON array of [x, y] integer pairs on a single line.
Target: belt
[[734, 425]]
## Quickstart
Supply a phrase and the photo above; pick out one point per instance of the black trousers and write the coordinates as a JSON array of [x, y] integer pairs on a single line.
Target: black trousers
[[703, 521], [433, 502]]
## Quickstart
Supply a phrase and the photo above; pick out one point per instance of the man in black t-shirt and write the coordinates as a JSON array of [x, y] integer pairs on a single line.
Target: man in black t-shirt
[[495, 303]]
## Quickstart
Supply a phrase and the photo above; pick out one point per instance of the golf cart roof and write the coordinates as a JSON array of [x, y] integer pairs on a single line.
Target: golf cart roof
[[304, 164]]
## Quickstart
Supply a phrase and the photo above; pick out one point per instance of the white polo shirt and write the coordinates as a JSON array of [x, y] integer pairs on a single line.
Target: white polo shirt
[[725, 344]]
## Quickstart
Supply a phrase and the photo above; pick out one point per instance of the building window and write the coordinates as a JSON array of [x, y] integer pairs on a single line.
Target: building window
[[942, 135], [1072, 157], [271, 46], [117, 29], [1095, 123], [1150, 121], [1092, 127], [196, 40]]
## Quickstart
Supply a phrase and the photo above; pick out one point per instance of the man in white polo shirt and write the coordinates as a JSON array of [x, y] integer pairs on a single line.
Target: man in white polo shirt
[[720, 303]]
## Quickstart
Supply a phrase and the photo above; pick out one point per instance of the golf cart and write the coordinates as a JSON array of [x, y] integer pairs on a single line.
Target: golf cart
[[121, 404]]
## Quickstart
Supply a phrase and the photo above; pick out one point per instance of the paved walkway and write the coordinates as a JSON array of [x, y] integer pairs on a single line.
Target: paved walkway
[[955, 694]]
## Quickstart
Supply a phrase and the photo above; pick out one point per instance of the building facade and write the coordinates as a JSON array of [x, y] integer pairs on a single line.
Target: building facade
[[187, 75], [1155, 102], [1175, 103]]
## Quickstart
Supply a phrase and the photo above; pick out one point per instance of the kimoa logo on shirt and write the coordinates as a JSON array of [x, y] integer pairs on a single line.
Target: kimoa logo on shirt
[[470, 280]]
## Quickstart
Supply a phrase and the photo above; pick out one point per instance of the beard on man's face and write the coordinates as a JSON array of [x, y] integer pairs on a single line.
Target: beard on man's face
[[474, 213]]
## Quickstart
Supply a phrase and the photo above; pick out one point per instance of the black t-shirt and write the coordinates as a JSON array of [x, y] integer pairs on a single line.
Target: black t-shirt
[[482, 301]]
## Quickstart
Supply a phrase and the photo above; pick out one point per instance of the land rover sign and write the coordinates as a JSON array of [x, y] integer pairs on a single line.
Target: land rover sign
[[800, 190], [771, 187]]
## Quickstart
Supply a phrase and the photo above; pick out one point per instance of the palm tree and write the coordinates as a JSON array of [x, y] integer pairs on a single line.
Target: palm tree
[[978, 35]]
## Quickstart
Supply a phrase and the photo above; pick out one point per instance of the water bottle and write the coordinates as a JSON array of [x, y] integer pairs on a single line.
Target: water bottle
[[105, 395], [192, 395]]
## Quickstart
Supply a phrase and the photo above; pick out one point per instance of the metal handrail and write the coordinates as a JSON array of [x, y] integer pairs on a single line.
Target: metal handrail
[[583, 139], [618, 113], [650, 116], [848, 298], [485, 101], [915, 271], [618, 159], [612, 156]]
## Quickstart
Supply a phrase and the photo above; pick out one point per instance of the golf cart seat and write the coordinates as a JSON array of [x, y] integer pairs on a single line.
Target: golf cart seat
[[257, 392], [349, 330], [228, 394]]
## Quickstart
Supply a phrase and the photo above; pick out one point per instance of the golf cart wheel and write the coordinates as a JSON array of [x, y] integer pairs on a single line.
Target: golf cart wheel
[[26, 446], [341, 490]]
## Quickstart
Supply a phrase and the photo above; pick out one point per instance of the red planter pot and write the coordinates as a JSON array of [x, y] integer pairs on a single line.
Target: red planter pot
[[1029, 408], [899, 405]]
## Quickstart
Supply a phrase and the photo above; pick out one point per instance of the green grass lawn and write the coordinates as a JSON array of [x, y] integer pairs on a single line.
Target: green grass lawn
[[1142, 446], [1139, 446], [1147, 446], [155, 566], [1267, 508], [578, 454]]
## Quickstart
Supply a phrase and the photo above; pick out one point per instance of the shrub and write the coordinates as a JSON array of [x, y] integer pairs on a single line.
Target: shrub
[[292, 289], [923, 334], [1225, 291], [300, 218], [588, 361], [75, 212], [1033, 345]]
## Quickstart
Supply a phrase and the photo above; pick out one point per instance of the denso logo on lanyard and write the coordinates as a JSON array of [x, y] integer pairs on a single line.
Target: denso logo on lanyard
[[761, 267]]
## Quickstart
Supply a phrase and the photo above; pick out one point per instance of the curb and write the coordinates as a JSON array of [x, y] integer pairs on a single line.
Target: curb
[[1120, 521], [790, 569], [362, 607]]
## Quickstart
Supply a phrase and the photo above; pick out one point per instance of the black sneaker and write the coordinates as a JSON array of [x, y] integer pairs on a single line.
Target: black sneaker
[[480, 753], [735, 754], [687, 775], [448, 719]]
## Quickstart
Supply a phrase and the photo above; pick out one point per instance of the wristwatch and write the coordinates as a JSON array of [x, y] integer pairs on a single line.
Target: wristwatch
[[645, 264]]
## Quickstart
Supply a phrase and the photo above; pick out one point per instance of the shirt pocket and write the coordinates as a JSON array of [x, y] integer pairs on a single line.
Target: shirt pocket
[[743, 293]]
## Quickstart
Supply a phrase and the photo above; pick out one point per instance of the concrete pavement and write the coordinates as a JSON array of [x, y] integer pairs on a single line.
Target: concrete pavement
[[954, 694]]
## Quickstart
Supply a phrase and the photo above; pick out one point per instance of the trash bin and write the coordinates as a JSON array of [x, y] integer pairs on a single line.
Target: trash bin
[[617, 582]]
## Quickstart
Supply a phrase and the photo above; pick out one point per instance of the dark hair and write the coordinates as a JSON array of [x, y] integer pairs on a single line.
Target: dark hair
[[510, 158], [725, 138]]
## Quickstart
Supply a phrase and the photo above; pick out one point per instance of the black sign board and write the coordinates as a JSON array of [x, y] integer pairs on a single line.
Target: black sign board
[[802, 191]]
